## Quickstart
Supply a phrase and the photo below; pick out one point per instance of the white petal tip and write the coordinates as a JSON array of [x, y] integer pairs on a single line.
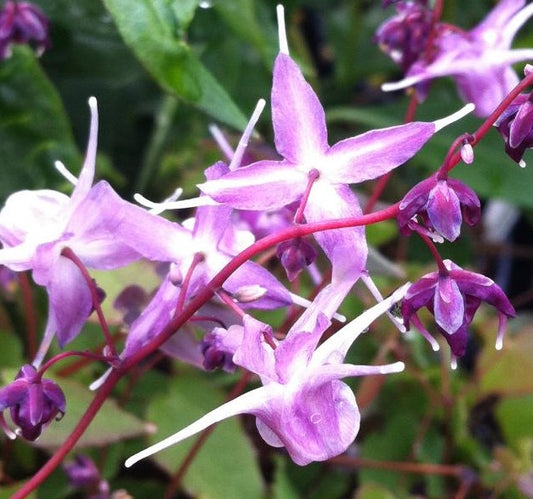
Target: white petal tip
[[282, 33], [522, 163], [93, 103], [399, 85], [443, 122], [435, 347], [499, 344]]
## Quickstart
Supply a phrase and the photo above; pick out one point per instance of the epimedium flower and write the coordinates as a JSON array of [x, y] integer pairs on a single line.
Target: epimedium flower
[[302, 405], [453, 296], [22, 22], [33, 403], [441, 203], [515, 125], [314, 173], [103, 230], [83, 474], [480, 60]]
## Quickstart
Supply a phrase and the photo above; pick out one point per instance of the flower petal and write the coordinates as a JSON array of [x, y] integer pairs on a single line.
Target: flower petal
[[375, 153], [449, 306], [265, 185], [300, 132]]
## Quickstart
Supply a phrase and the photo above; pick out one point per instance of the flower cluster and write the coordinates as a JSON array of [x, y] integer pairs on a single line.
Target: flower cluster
[[302, 206], [480, 60]]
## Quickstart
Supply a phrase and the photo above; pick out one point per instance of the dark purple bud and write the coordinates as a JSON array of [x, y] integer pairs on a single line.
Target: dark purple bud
[[22, 22], [453, 298], [218, 347], [83, 474], [441, 204], [515, 125], [295, 255], [405, 37], [33, 402]]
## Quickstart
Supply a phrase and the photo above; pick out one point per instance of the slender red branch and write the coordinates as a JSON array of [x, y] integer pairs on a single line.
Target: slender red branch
[[197, 258]]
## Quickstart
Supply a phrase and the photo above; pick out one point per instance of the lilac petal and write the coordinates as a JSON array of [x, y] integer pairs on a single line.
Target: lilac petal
[[35, 403], [444, 211], [300, 132], [522, 125], [470, 204], [375, 153], [246, 403], [265, 185], [335, 348], [449, 305], [86, 178], [296, 350], [346, 248], [458, 340], [112, 232], [210, 222], [251, 273], [13, 394], [314, 424], [70, 300], [254, 353], [54, 394], [184, 346]]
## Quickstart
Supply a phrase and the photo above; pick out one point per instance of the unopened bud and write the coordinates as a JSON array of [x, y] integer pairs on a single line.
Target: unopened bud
[[467, 153], [247, 294]]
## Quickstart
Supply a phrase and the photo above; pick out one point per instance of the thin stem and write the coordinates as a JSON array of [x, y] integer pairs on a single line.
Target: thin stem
[[64, 355], [197, 258], [68, 253], [435, 252]]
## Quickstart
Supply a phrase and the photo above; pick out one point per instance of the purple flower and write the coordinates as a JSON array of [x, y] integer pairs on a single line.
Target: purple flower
[[453, 297], [33, 403], [83, 474], [301, 138], [404, 37], [479, 60], [302, 405], [515, 125], [22, 22], [442, 204], [103, 230]]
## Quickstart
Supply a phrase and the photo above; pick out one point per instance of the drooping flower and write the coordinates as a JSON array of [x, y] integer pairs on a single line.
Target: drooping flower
[[515, 125], [302, 405], [479, 60], [22, 22], [33, 403], [441, 204], [453, 297]]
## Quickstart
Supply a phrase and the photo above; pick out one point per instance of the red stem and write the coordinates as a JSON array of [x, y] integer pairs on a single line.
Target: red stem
[[203, 297]]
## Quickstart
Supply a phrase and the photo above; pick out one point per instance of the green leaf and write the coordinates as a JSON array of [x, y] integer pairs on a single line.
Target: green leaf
[[150, 29], [373, 491], [34, 130], [226, 466], [112, 423]]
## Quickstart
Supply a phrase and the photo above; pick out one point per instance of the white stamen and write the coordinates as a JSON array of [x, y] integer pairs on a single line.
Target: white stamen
[[302, 302], [399, 85], [62, 169], [221, 141], [100, 381], [243, 143], [174, 205], [282, 33], [440, 124]]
